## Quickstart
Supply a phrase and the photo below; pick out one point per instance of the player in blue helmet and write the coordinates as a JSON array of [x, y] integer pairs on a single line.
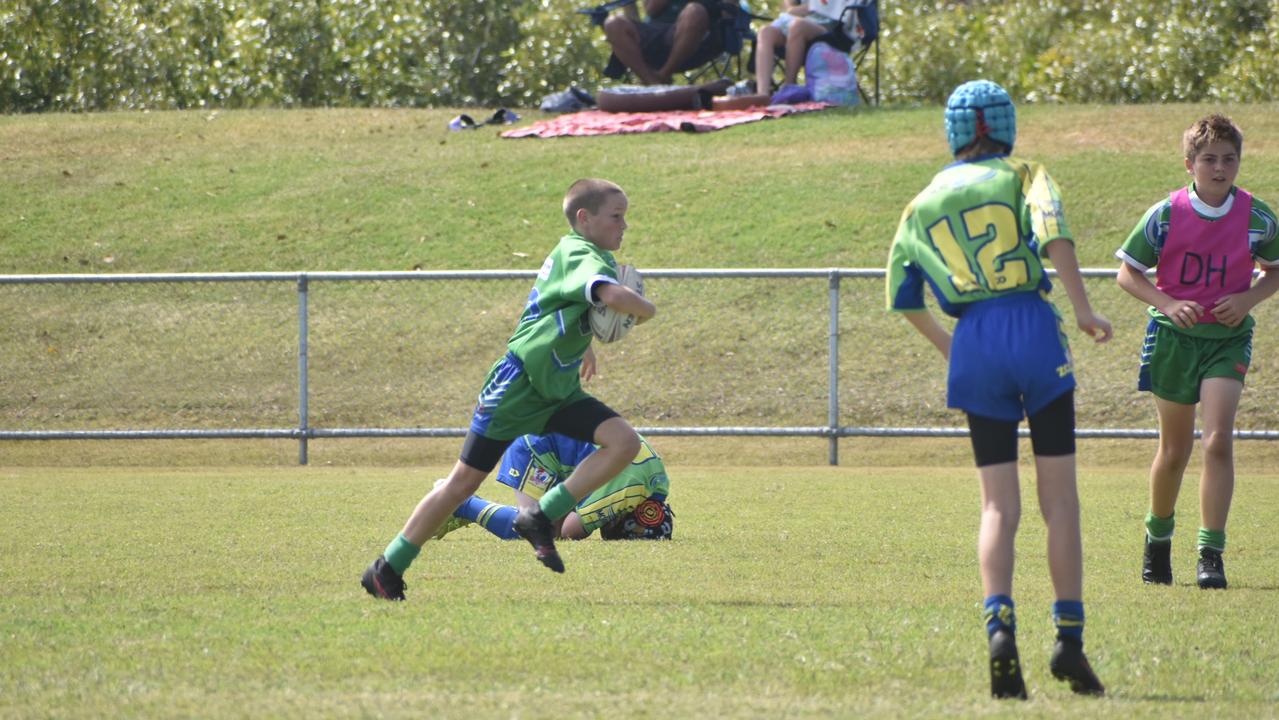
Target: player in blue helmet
[[631, 506], [977, 235], [980, 109]]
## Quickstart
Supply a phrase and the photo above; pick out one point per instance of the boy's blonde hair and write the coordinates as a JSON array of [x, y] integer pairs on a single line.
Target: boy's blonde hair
[[1214, 128], [588, 194]]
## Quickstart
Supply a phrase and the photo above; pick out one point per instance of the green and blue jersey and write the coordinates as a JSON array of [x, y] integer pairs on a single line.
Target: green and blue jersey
[[554, 329], [536, 463], [976, 236], [977, 232]]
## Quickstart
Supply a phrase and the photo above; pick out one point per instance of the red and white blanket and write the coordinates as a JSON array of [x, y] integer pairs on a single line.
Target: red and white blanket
[[596, 122]]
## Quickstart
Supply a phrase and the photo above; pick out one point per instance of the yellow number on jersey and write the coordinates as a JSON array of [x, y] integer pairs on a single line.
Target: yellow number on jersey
[[993, 230]]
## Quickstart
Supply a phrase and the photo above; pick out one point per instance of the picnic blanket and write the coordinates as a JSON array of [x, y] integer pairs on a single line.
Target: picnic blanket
[[596, 122]]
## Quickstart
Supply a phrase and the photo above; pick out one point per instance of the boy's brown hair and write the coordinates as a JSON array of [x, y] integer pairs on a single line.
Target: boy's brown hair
[[981, 147], [588, 194], [1214, 128]]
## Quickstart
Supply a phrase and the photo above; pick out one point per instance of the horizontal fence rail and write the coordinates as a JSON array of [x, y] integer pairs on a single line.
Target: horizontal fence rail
[[300, 356]]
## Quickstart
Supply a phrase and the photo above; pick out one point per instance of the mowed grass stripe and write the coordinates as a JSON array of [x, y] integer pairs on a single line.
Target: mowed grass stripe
[[802, 592]]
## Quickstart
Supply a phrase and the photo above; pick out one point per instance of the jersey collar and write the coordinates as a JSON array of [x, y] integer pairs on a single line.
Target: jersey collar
[[1209, 211]]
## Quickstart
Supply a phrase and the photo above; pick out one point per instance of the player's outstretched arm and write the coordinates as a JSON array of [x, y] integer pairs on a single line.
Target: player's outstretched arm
[[1062, 254], [928, 326]]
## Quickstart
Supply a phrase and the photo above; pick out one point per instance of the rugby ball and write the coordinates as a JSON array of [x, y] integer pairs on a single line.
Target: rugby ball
[[608, 324]]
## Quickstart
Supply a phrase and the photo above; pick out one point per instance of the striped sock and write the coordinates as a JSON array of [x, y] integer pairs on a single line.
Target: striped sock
[[997, 611], [1068, 616], [494, 517]]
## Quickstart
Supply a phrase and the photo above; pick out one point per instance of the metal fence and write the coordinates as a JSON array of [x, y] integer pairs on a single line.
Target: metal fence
[[318, 355]]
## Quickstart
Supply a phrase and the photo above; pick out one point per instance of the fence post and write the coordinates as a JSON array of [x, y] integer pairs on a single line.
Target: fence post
[[303, 410], [832, 417]]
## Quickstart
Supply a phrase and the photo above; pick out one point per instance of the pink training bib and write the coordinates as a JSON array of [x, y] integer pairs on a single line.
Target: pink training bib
[[1204, 260]]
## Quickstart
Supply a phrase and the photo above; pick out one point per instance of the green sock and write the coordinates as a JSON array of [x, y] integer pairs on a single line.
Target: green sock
[[401, 553], [1159, 529], [558, 502], [1215, 539]]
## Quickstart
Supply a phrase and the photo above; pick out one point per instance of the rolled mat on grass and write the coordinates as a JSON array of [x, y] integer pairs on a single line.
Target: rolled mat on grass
[[595, 122]]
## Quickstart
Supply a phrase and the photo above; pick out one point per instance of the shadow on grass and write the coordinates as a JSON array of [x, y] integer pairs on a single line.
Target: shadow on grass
[[1234, 587]]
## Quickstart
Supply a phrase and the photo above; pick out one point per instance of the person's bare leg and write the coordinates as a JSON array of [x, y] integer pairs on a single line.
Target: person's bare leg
[[766, 44], [996, 550], [690, 32], [1219, 400], [1176, 441], [384, 578], [1059, 502], [618, 445], [624, 38], [1059, 505], [440, 503], [1000, 516], [802, 34]]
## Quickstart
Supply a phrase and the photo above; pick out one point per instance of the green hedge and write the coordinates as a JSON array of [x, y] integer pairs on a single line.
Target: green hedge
[[1085, 50], [111, 54], [116, 54]]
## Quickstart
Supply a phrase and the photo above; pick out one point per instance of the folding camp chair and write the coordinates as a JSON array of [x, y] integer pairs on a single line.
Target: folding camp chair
[[731, 33]]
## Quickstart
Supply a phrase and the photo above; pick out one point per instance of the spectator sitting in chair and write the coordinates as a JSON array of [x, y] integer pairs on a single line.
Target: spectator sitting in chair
[[795, 29], [676, 37]]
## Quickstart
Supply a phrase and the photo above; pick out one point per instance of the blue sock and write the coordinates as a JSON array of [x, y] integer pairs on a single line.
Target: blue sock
[[998, 612], [497, 519], [1068, 616]]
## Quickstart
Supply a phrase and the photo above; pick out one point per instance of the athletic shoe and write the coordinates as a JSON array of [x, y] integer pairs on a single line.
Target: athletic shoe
[[1156, 564], [453, 523], [1211, 573], [534, 526], [1069, 663], [1005, 667], [381, 580]]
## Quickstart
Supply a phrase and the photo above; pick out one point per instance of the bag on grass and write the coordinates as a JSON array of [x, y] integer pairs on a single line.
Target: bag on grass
[[830, 75]]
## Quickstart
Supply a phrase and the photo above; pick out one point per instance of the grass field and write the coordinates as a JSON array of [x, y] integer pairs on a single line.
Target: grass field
[[797, 592], [394, 190], [210, 579]]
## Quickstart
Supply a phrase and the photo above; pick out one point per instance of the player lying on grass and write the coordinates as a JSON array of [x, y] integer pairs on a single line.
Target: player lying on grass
[[630, 506]]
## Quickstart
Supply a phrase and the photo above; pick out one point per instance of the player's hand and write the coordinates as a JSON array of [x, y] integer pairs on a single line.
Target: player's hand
[[1183, 313], [1097, 327], [1231, 310], [588, 364]]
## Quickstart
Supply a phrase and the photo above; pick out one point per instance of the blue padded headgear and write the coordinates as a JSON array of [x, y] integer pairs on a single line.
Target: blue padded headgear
[[980, 108]]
